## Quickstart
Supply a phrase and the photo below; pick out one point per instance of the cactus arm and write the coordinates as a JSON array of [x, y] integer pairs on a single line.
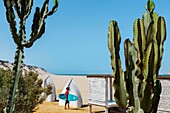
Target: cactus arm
[[161, 33], [30, 42], [41, 22], [23, 8], [114, 45], [150, 60], [139, 37], [149, 72], [146, 20], [150, 22], [119, 82], [134, 60], [11, 20], [54, 9], [152, 29], [161, 37], [29, 5], [140, 45], [36, 20], [14, 82], [17, 8], [44, 9], [128, 72], [132, 72], [150, 35], [37, 33], [127, 44]]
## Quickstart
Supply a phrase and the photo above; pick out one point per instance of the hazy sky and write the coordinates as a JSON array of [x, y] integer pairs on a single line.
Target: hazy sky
[[75, 40]]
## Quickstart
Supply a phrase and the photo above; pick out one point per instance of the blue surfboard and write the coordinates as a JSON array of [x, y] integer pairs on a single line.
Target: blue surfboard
[[71, 97]]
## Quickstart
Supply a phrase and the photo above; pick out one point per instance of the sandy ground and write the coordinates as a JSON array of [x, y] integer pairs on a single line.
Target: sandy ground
[[53, 107]]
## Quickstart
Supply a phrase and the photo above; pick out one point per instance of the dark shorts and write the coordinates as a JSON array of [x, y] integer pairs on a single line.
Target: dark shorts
[[67, 102]]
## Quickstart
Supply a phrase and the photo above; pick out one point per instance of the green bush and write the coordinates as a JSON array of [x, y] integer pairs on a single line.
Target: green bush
[[30, 92], [5, 78]]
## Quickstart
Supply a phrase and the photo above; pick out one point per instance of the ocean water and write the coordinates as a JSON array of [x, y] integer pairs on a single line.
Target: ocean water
[[71, 74], [164, 75], [92, 74]]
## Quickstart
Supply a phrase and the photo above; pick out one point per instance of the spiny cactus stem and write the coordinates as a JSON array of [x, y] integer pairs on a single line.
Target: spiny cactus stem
[[17, 8], [28, 9], [14, 82], [29, 43], [11, 19]]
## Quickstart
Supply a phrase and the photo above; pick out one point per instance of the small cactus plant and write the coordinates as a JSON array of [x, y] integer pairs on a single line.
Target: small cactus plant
[[137, 89], [22, 8]]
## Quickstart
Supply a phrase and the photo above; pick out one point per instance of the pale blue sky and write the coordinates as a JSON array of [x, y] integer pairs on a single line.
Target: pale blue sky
[[75, 40]]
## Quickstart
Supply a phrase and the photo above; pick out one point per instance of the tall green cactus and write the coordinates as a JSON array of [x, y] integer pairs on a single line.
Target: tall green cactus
[[138, 87], [22, 8]]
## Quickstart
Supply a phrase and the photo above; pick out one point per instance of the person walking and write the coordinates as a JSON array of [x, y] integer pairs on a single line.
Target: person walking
[[67, 101]]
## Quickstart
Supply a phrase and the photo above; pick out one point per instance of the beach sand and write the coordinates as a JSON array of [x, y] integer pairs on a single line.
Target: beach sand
[[53, 107], [82, 83]]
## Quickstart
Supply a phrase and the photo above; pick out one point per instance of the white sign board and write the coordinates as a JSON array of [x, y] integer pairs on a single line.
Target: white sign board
[[96, 89]]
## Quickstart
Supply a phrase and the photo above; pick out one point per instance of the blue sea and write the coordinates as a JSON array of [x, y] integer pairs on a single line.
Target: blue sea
[[164, 75], [92, 74], [71, 74]]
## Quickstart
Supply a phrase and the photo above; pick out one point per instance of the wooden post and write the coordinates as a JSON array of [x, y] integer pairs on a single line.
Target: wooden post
[[111, 91], [106, 110], [90, 108], [106, 91]]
